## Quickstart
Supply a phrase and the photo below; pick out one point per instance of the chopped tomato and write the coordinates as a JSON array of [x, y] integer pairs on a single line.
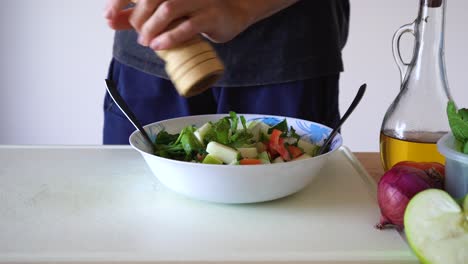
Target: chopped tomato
[[275, 136], [271, 150], [200, 157], [295, 151], [250, 162], [281, 148], [276, 145]]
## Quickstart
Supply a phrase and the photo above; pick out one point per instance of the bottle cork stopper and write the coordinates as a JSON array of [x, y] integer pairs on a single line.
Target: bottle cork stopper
[[434, 3]]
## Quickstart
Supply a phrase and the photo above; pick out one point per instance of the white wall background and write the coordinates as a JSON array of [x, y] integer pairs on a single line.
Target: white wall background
[[54, 57]]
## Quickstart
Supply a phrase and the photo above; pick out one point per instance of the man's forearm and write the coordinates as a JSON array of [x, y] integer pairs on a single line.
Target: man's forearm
[[260, 9]]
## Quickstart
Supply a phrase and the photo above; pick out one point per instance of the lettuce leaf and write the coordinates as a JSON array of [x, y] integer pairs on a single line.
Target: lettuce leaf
[[234, 120], [458, 124], [183, 146], [458, 121], [225, 132], [190, 143], [220, 131], [281, 126], [244, 122], [463, 113]]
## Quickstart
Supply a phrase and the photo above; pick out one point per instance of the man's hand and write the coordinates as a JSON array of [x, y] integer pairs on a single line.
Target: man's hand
[[163, 24]]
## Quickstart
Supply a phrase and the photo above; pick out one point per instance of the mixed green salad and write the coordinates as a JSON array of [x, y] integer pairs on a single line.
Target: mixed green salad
[[458, 121], [231, 140]]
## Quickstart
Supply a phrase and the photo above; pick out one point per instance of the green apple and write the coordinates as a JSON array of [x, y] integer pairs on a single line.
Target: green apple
[[437, 228]]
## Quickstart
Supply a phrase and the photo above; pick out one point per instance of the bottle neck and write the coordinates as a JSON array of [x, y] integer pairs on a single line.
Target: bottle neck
[[430, 29], [427, 72]]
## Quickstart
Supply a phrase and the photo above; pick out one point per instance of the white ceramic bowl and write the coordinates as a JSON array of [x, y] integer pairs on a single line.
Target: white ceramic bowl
[[235, 183], [456, 167]]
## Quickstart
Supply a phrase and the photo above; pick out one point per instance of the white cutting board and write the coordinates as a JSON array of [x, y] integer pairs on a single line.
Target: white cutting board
[[103, 205]]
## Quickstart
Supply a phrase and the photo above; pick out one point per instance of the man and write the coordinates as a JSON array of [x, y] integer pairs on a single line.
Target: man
[[282, 57]]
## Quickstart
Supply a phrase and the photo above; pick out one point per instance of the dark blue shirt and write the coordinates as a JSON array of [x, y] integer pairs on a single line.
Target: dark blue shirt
[[300, 42]]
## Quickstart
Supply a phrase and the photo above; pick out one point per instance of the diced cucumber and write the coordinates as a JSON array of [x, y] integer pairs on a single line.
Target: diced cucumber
[[252, 123], [198, 136], [260, 147], [308, 147], [264, 128], [222, 152], [278, 160], [303, 156], [202, 131], [264, 157], [248, 153], [210, 159], [258, 128], [290, 140], [253, 145]]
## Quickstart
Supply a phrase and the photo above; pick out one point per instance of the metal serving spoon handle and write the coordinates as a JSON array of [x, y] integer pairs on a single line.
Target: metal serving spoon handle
[[351, 108], [115, 95]]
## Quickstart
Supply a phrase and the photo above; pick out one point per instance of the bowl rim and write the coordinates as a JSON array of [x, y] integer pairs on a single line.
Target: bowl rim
[[445, 147], [185, 163]]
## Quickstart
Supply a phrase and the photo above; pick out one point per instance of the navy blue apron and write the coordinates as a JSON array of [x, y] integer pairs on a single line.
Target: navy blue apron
[[154, 99]]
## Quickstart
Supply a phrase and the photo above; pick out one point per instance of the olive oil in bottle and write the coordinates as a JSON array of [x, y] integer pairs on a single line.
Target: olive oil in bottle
[[415, 146]]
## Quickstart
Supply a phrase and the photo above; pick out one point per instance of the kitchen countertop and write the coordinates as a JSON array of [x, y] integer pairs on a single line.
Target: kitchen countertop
[[371, 162], [99, 204]]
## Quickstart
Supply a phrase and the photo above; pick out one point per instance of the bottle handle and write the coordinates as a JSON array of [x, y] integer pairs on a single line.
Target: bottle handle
[[402, 66]]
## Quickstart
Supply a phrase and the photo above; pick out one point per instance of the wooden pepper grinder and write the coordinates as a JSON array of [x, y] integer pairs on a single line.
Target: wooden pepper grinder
[[193, 67]]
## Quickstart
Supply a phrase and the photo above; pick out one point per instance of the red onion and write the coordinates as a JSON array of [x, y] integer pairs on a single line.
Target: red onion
[[396, 188]]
